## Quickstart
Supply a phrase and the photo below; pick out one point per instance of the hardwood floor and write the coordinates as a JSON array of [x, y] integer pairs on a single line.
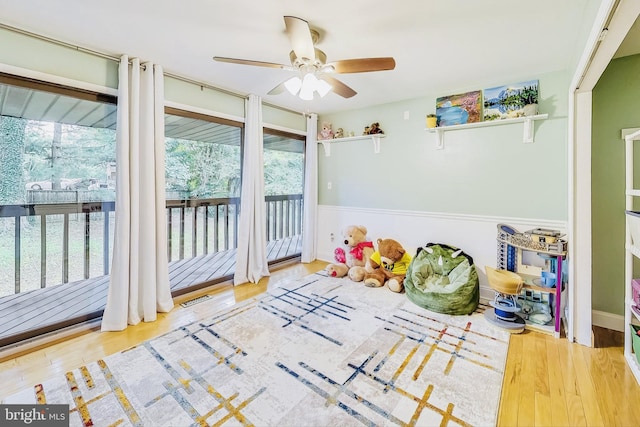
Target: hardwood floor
[[547, 382]]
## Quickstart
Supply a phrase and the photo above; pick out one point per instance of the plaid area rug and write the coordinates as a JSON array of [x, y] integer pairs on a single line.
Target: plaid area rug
[[319, 351]]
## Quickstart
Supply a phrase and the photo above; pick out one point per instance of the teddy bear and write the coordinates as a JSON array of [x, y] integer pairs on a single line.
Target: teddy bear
[[375, 128], [339, 133], [355, 260], [388, 266], [326, 132]]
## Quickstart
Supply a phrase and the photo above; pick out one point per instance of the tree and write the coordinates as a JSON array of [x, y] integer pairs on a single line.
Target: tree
[[56, 155], [11, 157]]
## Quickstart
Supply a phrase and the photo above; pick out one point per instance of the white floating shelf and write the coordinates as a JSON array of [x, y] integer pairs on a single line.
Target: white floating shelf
[[633, 249], [526, 138], [326, 143]]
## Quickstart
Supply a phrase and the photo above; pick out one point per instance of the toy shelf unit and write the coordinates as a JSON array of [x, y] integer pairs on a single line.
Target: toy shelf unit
[[375, 138], [528, 123], [632, 247], [539, 257]]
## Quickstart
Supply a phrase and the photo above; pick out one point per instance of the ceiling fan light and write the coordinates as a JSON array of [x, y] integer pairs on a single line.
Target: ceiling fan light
[[293, 85], [306, 94], [309, 81], [323, 87], [309, 84]]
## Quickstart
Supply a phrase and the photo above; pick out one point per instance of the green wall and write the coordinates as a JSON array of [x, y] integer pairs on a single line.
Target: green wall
[[272, 115], [615, 106], [187, 93], [481, 171], [34, 54]]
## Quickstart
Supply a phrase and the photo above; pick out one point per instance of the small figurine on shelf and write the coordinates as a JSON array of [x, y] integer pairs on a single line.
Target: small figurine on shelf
[[326, 132], [432, 121], [339, 133], [373, 129]]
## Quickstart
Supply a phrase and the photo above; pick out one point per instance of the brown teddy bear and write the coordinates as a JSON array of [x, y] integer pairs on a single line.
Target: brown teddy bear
[[355, 260], [375, 129], [389, 265]]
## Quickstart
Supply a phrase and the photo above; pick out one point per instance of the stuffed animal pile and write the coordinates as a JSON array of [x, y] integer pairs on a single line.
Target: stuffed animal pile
[[358, 260], [373, 129], [354, 258]]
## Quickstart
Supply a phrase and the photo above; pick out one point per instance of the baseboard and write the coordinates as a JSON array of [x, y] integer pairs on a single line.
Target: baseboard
[[14, 350], [608, 320]]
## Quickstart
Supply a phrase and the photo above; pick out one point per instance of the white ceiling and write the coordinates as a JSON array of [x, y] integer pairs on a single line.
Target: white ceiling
[[440, 47]]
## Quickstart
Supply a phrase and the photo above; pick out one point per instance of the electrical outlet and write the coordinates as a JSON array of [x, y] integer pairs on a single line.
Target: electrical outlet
[[329, 185], [406, 115]]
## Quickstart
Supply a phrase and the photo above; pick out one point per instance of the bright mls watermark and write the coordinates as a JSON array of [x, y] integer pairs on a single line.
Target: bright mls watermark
[[34, 415]]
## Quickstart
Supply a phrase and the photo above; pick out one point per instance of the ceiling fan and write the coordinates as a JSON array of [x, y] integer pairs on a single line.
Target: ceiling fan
[[314, 70]]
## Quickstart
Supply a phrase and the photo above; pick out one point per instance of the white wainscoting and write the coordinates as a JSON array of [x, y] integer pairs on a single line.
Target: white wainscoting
[[474, 234]]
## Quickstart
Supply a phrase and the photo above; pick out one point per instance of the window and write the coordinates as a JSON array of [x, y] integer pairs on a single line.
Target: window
[[283, 187], [57, 157], [203, 157]]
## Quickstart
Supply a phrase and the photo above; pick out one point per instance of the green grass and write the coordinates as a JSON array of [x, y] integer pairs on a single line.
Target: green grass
[[30, 244]]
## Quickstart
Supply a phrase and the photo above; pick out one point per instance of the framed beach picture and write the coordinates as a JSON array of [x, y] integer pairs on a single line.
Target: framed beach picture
[[509, 101], [459, 109]]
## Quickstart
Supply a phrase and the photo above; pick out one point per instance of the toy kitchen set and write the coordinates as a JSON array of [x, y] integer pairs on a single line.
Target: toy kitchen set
[[538, 257]]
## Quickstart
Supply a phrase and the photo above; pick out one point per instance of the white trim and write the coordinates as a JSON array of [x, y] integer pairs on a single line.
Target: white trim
[[204, 111], [555, 224], [50, 78], [579, 190], [285, 129], [608, 320], [629, 131], [580, 272], [486, 293], [601, 49]]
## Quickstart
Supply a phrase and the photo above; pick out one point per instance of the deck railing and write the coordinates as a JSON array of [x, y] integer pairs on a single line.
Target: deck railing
[[197, 226]]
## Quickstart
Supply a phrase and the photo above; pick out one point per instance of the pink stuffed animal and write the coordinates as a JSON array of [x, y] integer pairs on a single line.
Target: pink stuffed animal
[[354, 258], [326, 132]]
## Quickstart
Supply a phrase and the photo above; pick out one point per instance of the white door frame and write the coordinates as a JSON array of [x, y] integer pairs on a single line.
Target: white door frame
[[598, 52]]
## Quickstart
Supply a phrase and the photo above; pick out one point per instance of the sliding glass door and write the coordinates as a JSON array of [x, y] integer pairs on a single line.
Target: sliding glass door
[[284, 183], [203, 157], [57, 192]]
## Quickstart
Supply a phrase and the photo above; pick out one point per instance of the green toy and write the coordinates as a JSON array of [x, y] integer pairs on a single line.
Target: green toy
[[443, 279]]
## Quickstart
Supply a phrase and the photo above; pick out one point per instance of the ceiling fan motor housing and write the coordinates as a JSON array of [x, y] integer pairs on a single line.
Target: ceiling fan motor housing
[[318, 62]]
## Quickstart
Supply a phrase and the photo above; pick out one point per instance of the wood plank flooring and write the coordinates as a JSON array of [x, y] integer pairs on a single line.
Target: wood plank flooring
[[33, 313], [552, 382], [547, 382]]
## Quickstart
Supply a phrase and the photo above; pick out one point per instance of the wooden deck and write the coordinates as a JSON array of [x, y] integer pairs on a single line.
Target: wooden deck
[[30, 314]]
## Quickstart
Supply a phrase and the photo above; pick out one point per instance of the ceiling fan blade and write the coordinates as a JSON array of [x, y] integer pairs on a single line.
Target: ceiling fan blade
[[339, 87], [363, 65], [277, 90], [300, 37], [249, 62]]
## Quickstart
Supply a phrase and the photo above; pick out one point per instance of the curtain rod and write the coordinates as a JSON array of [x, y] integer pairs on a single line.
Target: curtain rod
[[114, 57]]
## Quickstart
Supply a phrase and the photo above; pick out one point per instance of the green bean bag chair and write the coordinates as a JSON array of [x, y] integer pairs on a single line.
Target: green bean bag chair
[[443, 279]]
